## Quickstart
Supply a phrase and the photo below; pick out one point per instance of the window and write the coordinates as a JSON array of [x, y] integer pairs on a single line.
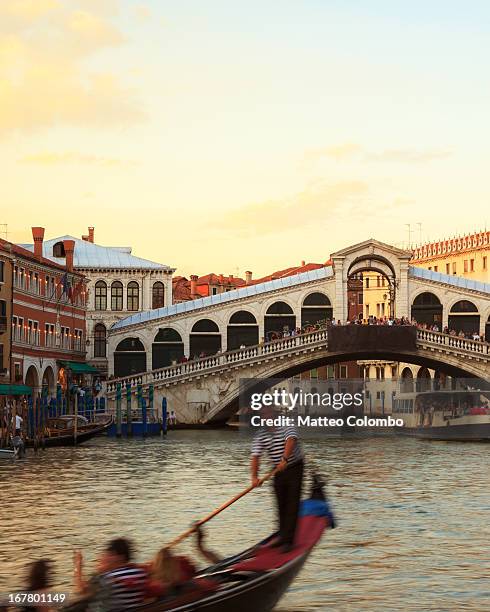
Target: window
[[472, 265], [18, 329], [49, 339], [448, 268], [454, 267], [158, 295], [343, 371], [59, 250], [2, 271], [359, 299], [436, 268], [65, 337], [116, 296], [3, 308], [378, 281], [485, 263], [100, 295], [465, 265], [367, 283], [78, 340], [214, 290], [133, 296], [99, 340]]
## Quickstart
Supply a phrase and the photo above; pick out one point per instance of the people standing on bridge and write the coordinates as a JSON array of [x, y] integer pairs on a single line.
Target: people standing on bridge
[[282, 446]]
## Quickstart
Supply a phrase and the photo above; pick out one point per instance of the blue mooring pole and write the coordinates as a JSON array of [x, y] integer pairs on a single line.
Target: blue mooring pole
[[144, 417], [118, 411], [128, 410], [164, 415]]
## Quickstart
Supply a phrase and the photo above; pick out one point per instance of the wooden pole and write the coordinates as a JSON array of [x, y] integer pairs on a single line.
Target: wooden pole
[[214, 513], [118, 411]]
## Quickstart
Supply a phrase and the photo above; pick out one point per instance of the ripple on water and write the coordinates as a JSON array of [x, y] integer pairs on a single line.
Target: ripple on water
[[412, 533]]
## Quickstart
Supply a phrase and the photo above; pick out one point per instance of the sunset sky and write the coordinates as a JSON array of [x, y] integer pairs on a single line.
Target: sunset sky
[[223, 135]]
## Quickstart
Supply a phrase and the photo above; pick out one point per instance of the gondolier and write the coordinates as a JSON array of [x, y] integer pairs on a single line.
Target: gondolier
[[282, 446]]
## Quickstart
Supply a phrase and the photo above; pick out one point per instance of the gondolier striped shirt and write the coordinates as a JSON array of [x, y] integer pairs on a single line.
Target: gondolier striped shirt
[[273, 441]]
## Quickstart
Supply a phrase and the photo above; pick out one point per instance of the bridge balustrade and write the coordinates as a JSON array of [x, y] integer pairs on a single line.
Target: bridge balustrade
[[276, 347]]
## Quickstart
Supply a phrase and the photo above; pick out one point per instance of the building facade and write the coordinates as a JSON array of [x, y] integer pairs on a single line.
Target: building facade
[[119, 284], [466, 256], [47, 318], [6, 277]]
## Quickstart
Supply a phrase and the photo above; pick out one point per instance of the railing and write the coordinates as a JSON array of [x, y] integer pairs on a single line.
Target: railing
[[206, 364], [282, 346], [455, 342]]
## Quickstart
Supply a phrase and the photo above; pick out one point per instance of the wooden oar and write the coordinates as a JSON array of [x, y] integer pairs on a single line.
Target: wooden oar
[[207, 518]]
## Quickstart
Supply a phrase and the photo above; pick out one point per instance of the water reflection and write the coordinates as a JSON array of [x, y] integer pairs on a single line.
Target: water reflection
[[413, 515]]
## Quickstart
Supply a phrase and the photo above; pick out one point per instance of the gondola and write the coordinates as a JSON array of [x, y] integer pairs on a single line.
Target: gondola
[[254, 579], [60, 431]]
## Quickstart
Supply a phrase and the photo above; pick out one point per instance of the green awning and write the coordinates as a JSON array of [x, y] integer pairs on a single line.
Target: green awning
[[80, 368], [15, 390]]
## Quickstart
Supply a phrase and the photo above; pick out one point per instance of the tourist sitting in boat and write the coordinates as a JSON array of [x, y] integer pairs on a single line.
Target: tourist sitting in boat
[[170, 574], [118, 584]]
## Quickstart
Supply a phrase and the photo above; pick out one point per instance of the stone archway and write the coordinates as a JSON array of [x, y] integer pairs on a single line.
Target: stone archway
[[48, 382], [32, 379], [382, 259]]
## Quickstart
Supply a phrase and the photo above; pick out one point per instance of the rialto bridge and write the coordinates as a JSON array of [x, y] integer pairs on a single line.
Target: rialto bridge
[[230, 332]]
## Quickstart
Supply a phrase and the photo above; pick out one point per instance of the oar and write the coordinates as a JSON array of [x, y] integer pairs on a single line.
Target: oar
[[207, 518]]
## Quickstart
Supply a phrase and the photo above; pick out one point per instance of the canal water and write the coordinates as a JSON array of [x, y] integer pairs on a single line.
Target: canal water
[[413, 516]]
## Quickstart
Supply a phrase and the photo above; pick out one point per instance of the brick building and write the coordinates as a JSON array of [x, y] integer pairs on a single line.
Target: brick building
[[47, 318], [6, 277]]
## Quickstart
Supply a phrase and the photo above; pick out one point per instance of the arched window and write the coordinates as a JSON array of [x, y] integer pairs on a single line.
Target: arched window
[[100, 295], [464, 306], [59, 250], [116, 295], [158, 295], [205, 326], [133, 296], [100, 334]]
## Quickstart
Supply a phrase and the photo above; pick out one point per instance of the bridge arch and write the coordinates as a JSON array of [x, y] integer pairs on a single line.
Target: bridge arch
[[316, 307], [242, 330], [167, 347], [372, 262], [464, 316], [129, 357], [279, 317], [427, 308], [205, 338]]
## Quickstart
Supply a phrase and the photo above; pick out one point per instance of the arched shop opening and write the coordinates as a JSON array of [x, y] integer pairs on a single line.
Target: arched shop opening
[[316, 308], [242, 330], [48, 384], [487, 330], [427, 308], [406, 381], [205, 338], [167, 348], [279, 318], [129, 357], [423, 380], [464, 317], [32, 379]]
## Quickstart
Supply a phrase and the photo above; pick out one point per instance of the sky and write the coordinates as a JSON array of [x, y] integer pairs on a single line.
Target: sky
[[225, 136]]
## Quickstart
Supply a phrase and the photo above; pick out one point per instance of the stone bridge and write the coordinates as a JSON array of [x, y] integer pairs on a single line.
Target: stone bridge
[[207, 390]]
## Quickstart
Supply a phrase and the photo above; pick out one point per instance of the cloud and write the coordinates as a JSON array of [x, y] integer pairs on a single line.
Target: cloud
[[311, 206], [352, 151], [71, 157], [46, 79]]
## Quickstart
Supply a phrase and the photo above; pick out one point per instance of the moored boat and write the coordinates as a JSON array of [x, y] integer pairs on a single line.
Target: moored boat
[[63, 431]]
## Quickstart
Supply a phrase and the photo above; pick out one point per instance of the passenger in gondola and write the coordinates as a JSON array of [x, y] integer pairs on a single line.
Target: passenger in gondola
[[39, 579], [282, 446], [117, 585]]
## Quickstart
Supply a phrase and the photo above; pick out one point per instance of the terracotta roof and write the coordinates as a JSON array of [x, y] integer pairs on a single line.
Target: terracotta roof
[[289, 272], [181, 289], [214, 279], [452, 246]]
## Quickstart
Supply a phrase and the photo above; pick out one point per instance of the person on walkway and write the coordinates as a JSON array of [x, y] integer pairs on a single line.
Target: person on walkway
[[282, 446], [18, 424]]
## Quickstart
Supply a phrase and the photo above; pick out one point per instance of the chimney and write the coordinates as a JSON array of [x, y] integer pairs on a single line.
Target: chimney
[[221, 279], [38, 236], [303, 263], [231, 278], [69, 246], [248, 277], [90, 236], [194, 278]]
